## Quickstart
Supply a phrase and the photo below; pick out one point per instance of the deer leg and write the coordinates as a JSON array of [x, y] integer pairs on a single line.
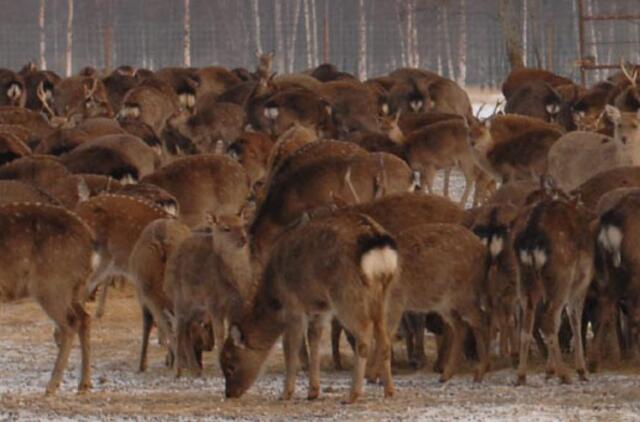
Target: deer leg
[[316, 329], [429, 178], [218, 331], [102, 300], [479, 323], [458, 330], [336, 331], [512, 327], [418, 359], [447, 175], [605, 309], [293, 339], [467, 188], [526, 332], [147, 323], [84, 335], [551, 329], [364, 335], [383, 345], [66, 340], [575, 318]]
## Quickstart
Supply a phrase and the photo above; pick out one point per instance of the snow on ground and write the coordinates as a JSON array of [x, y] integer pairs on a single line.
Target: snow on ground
[[27, 353]]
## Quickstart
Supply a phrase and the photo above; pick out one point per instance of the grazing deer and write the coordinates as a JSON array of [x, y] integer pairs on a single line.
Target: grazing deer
[[148, 268], [80, 97], [48, 254], [577, 156], [343, 265], [209, 274], [12, 89], [252, 151], [554, 250]]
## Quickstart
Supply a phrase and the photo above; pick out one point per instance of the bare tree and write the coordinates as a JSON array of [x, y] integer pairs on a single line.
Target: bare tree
[[462, 45], [43, 45], [308, 29], [256, 22], [511, 34], [279, 37], [400, 12], [447, 38], [525, 19], [108, 35], [187, 33], [362, 41], [592, 40], [291, 56], [314, 33], [325, 34], [69, 47]]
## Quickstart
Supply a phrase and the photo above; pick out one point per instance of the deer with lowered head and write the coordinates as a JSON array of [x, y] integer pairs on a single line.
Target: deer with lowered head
[[343, 265]]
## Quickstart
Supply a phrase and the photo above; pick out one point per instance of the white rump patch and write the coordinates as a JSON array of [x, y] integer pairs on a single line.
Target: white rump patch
[[127, 179], [540, 257], [525, 257], [385, 109], [415, 105], [496, 245], [95, 260], [379, 261], [132, 112], [14, 91], [187, 100], [271, 113], [553, 108], [171, 209], [610, 237]]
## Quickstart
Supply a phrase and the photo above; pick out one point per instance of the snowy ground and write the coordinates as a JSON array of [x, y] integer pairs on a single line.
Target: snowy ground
[[27, 354]]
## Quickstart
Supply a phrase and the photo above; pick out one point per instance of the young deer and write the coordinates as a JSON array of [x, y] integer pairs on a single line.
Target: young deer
[[554, 249], [211, 274], [344, 265], [48, 254]]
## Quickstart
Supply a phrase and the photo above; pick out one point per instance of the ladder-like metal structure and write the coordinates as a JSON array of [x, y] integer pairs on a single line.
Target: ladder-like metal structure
[[588, 63]]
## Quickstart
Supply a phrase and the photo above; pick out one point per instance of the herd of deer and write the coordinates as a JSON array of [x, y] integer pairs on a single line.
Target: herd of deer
[[245, 206]]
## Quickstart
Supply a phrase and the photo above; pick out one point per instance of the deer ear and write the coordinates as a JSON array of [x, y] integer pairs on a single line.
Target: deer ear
[[613, 113], [236, 336], [487, 123]]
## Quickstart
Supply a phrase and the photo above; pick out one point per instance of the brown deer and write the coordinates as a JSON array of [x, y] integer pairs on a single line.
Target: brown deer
[[415, 209], [148, 268], [577, 156], [152, 102], [12, 89], [617, 260], [298, 282], [596, 187], [48, 254], [357, 178], [210, 274], [554, 250], [521, 75], [80, 97], [203, 185], [118, 221], [252, 151]]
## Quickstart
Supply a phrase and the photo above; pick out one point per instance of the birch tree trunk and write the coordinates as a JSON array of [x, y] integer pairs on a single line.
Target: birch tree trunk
[[256, 25], [69, 47], [280, 53], [308, 30], [447, 39], [462, 45], [400, 14], [187, 33], [108, 36], [591, 34], [525, 14], [511, 34], [414, 35], [325, 38], [314, 33], [362, 42], [43, 60], [294, 35]]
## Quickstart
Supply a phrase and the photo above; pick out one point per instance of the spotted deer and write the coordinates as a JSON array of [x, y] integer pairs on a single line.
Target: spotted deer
[[297, 283], [49, 254]]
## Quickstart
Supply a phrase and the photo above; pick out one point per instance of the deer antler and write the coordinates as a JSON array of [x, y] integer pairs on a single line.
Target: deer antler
[[88, 92], [347, 179], [480, 110], [630, 77], [42, 96]]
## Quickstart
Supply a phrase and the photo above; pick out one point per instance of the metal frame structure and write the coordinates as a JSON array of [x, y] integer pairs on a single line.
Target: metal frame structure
[[585, 63]]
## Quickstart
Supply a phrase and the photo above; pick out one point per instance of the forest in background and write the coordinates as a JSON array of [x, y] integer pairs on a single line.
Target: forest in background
[[460, 39]]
